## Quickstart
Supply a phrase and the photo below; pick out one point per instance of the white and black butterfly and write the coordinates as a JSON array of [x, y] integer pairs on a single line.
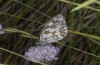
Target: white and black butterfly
[[54, 30]]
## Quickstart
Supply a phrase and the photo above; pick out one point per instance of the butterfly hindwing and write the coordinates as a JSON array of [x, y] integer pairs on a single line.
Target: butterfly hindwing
[[54, 30]]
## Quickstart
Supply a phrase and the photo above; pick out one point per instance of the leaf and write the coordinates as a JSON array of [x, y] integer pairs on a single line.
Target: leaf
[[87, 3]]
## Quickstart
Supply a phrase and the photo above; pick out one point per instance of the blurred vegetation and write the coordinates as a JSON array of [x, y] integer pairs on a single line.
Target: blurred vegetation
[[23, 21]]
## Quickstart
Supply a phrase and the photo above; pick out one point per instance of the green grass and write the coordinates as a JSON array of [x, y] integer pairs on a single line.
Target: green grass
[[23, 22]]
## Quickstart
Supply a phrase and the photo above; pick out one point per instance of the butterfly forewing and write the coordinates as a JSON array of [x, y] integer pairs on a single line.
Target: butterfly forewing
[[54, 30]]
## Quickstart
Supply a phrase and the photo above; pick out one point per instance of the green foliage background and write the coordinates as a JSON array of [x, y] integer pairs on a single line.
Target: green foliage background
[[23, 21]]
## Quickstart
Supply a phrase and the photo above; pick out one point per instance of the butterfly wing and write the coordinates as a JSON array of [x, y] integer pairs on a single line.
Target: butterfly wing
[[54, 30], [1, 31], [0, 26]]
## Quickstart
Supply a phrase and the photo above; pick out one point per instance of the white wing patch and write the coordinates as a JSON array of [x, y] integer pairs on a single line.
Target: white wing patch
[[55, 30]]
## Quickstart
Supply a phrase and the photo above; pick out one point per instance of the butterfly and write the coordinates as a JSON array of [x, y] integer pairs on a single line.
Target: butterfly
[[54, 30]]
